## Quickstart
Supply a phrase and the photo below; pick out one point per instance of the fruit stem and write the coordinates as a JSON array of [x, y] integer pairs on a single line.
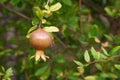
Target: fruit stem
[[40, 24]]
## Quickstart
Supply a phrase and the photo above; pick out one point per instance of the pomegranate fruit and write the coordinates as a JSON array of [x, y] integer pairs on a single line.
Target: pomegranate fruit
[[40, 39]]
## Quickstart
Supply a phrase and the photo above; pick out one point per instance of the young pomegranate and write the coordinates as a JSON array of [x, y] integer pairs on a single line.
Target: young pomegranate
[[40, 39]]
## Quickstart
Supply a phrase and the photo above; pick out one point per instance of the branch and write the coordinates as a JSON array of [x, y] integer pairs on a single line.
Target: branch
[[96, 8], [16, 12], [97, 61], [61, 42]]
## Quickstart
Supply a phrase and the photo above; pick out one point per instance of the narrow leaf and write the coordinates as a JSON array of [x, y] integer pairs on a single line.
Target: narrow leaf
[[87, 56], [93, 52], [47, 7], [117, 66], [105, 52], [41, 71], [114, 50], [38, 12], [109, 11], [30, 30], [46, 74], [81, 70], [96, 55], [51, 29], [55, 7], [78, 63]]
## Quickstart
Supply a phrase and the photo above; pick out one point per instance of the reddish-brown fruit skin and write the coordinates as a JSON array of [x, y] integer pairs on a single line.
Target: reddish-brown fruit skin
[[40, 39]]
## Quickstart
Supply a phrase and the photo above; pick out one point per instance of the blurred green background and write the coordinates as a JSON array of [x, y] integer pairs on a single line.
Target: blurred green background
[[85, 48]]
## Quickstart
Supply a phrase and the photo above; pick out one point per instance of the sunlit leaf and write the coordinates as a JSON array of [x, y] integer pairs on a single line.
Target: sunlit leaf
[[51, 29], [3, 69], [78, 63], [109, 11], [55, 7], [91, 78], [98, 66], [47, 7], [114, 50], [30, 30], [87, 56], [43, 21], [38, 12], [1, 74], [105, 52], [96, 55], [81, 70], [109, 75], [117, 66], [9, 73], [103, 56]]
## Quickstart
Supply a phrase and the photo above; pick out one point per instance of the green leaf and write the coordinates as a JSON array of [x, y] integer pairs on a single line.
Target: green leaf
[[38, 12], [2, 1], [1, 74], [96, 55], [46, 74], [3, 69], [93, 32], [47, 7], [91, 78], [78, 63], [15, 2], [51, 29], [81, 70], [114, 50], [60, 59], [9, 73], [98, 66], [105, 52], [41, 71], [103, 56], [55, 7], [87, 56], [44, 21], [109, 11], [109, 75], [67, 2], [30, 30], [35, 21], [108, 37], [117, 66]]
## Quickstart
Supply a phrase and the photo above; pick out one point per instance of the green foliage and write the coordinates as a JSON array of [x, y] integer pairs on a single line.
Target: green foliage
[[85, 48], [6, 74], [87, 56]]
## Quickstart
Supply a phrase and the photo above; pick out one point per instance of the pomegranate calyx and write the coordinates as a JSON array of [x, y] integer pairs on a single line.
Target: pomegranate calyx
[[40, 55]]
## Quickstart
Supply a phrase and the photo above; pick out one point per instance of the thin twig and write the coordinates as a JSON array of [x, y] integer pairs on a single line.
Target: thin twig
[[16, 12], [48, 2], [61, 42], [97, 61], [80, 6]]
